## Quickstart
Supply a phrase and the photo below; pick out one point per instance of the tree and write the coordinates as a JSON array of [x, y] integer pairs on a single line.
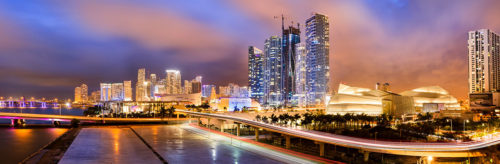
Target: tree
[[163, 111], [171, 111], [257, 118]]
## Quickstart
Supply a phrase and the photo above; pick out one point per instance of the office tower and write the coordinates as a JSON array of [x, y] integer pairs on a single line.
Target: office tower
[[300, 75], [187, 87], [173, 82], [290, 38], [117, 92], [484, 61], [195, 86], [206, 90], [273, 86], [127, 85], [224, 91], [140, 88], [78, 95], [85, 93], [317, 64], [105, 91], [213, 94], [255, 73]]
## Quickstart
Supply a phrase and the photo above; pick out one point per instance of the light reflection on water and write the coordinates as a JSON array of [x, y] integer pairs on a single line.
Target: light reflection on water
[[18, 144]]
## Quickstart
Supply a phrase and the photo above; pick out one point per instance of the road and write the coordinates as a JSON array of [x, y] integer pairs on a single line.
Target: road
[[455, 149]]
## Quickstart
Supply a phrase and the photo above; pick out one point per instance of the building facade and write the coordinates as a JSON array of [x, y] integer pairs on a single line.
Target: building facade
[[300, 76], [484, 61], [290, 38], [317, 59], [105, 91], [127, 86], [255, 73], [78, 94], [206, 90], [117, 92], [273, 84], [173, 82], [140, 90]]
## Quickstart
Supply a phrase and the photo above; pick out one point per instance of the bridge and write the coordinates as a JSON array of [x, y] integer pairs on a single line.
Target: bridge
[[28, 104], [450, 149], [57, 118]]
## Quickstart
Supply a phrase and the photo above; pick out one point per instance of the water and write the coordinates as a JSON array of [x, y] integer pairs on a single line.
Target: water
[[17, 144]]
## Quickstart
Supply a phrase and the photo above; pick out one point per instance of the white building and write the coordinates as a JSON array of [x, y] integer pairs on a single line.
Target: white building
[[105, 91], [127, 86], [484, 61], [173, 82]]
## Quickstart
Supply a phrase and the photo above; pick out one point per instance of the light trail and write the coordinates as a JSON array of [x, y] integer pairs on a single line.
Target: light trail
[[451, 149]]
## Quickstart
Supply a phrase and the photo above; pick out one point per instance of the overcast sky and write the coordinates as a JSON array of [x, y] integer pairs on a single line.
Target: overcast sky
[[49, 47]]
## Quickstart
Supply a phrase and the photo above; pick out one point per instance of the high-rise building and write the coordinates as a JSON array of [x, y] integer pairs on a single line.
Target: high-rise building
[[255, 73], [117, 92], [300, 75], [317, 64], [173, 82], [206, 90], [140, 86], [273, 86], [84, 94], [105, 91], [95, 96], [78, 95], [484, 61], [188, 87], [195, 86], [127, 85], [290, 38]]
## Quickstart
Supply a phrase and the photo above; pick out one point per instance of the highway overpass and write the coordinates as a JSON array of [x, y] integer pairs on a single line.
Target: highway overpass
[[51, 117], [449, 149]]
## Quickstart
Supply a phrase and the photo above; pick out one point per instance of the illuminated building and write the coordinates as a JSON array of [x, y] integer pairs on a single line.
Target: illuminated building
[[290, 38], [375, 102], [273, 86], [173, 82], [187, 87], [85, 93], [95, 96], [153, 82], [78, 94], [140, 90], [255, 73], [432, 99], [484, 61], [117, 92], [198, 78], [105, 91], [234, 90], [317, 64], [206, 90], [127, 85], [300, 75]]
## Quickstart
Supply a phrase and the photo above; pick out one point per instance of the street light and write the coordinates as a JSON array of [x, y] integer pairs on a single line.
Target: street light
[[448, 120]]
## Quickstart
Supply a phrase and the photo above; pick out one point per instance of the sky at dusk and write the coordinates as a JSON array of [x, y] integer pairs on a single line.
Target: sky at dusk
[[49, 47]]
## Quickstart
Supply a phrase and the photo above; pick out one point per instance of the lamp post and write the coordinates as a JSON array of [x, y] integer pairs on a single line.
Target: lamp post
[[451, 122], [464, 124]]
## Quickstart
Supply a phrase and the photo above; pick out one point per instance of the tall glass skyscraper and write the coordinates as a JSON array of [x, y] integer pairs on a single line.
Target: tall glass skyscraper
[[317, 60], [484, 61], [300, 75], [291, 36], [255, 73], [273, 86]]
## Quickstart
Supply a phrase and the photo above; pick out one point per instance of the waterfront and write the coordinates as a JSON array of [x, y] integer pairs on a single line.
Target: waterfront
[[18, 144]]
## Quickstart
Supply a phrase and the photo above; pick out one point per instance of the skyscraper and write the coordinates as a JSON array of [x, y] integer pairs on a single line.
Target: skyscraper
[[317, 59], [484, 61], [255, 73], [78, 94], [140, 86], [105, 91], [173, 82], [84, 93], [290, 37], [188, 87], [195, 86], [127, 85], [300, 75], [273, 86]]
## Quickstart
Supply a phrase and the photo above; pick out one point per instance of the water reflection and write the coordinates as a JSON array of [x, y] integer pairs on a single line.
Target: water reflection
[[17, 144]]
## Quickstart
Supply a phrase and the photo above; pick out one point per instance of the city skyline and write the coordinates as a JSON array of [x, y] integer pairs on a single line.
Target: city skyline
[[392, 41]]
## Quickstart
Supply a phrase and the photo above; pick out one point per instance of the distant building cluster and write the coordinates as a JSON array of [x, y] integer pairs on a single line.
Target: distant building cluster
[[290, 73]]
